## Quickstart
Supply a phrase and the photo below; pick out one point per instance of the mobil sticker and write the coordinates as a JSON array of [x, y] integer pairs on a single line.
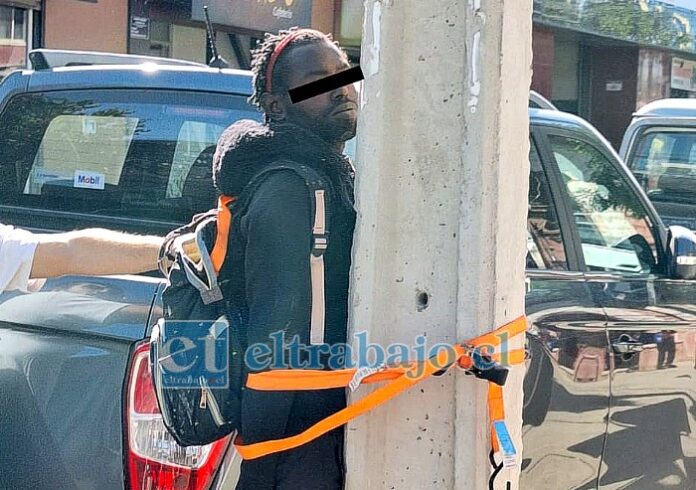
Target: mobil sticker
[[88, 180]]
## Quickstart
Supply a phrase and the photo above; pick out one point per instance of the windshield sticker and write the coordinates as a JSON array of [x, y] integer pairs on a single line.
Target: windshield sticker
[[88, 180]]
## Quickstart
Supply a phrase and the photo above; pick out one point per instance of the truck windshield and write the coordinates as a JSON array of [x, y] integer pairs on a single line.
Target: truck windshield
[[665, 164], [126, 153]]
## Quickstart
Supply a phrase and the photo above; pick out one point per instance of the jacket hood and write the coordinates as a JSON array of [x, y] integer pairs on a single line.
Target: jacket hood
[[247, 147]]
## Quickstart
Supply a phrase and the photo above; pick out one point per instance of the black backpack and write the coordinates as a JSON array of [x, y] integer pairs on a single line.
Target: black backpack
[[198, 408]]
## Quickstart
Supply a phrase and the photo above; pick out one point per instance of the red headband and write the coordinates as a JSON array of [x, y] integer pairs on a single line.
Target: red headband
[[276, 53]]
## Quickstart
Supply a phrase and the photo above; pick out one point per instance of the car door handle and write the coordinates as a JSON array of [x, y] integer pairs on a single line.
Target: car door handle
[[627, 347]]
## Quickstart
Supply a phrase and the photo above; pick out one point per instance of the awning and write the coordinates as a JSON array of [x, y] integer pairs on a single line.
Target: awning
[[27, 4]]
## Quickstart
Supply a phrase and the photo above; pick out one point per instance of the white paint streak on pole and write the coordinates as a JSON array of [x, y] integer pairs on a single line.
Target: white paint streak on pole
[[370, 60], [475, 87]]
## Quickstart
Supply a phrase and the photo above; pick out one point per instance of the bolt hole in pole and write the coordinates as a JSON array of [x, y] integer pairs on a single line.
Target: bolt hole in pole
[[422, 300]]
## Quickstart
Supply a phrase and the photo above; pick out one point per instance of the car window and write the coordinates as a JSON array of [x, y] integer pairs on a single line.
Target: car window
[[614, 227], [125, 153], [545, 248], [193, 139], [665, 164], [78, 150]]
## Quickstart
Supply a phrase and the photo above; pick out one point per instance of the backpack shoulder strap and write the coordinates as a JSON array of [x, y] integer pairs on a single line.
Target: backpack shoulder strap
[[319, 207], [167, 253]]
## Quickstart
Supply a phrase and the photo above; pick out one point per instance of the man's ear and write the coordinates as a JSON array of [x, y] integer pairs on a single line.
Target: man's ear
[[273, 106]]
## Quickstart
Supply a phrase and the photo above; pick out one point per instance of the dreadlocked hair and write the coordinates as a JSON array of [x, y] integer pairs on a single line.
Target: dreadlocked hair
[[261, 57]]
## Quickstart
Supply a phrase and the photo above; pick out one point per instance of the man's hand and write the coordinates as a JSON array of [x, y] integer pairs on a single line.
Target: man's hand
[[94, 252]]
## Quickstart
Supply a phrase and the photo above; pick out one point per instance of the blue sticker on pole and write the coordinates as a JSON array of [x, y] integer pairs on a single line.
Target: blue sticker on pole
[[507, 447]]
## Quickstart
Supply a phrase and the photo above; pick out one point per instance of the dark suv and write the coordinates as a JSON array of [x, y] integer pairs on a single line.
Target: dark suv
[[659, 147], [610, 397], [609, 394]]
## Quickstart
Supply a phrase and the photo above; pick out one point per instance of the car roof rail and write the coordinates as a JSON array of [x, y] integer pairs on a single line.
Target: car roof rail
[[538, 101], [45, 59]]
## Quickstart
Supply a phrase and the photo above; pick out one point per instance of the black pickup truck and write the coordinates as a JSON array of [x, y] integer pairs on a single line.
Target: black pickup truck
[[76, 406], [610, 398]]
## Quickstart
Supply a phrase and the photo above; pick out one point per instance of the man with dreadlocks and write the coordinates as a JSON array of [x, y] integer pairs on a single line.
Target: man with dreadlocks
[[269, 273]]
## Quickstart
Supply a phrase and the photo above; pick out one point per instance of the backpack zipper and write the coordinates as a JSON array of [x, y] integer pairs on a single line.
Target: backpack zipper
[[209, 402], [204, 399]]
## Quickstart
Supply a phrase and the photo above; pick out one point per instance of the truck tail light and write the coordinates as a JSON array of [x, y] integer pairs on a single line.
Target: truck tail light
[[153, 458]]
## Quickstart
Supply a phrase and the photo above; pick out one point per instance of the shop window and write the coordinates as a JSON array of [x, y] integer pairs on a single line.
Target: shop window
[[12, 25], [350, 27], [13, 39], [158, 44], [6, 14]]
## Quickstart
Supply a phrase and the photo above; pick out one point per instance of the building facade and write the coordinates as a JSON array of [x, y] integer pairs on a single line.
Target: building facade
[[601, 59], [605, 59], [20, 22], [169, 28], [176, 28], [88, 25]]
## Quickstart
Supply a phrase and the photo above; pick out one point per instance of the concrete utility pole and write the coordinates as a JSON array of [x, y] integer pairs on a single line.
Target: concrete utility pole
[[440, 246]]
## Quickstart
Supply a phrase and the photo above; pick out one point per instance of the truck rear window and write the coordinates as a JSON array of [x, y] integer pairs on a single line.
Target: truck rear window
[[126, 153], [665, 164]]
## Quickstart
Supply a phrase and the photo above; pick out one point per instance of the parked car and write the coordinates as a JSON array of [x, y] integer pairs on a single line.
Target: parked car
[[607, 296], [659, 147], [610, 400], [538, 101], [82, 414]]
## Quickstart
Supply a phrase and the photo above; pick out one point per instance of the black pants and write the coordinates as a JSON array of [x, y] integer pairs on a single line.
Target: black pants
[[317, 465], [666, 349]]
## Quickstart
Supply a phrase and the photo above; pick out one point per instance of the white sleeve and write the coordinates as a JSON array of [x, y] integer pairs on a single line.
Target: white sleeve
[[17, 249]]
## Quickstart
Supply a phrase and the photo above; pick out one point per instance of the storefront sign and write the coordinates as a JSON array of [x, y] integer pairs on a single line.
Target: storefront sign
[[140, 28], [684, 74], [614, 86], [257, 15]]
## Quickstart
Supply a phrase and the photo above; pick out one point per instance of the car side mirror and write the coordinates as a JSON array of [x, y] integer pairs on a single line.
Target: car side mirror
[[682, 253]]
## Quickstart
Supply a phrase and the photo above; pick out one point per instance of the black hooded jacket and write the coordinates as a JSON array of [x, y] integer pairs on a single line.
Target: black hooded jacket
[[267, 272]]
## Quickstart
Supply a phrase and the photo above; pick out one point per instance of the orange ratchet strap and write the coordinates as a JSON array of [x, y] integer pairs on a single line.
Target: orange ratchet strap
[[400, 379]]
